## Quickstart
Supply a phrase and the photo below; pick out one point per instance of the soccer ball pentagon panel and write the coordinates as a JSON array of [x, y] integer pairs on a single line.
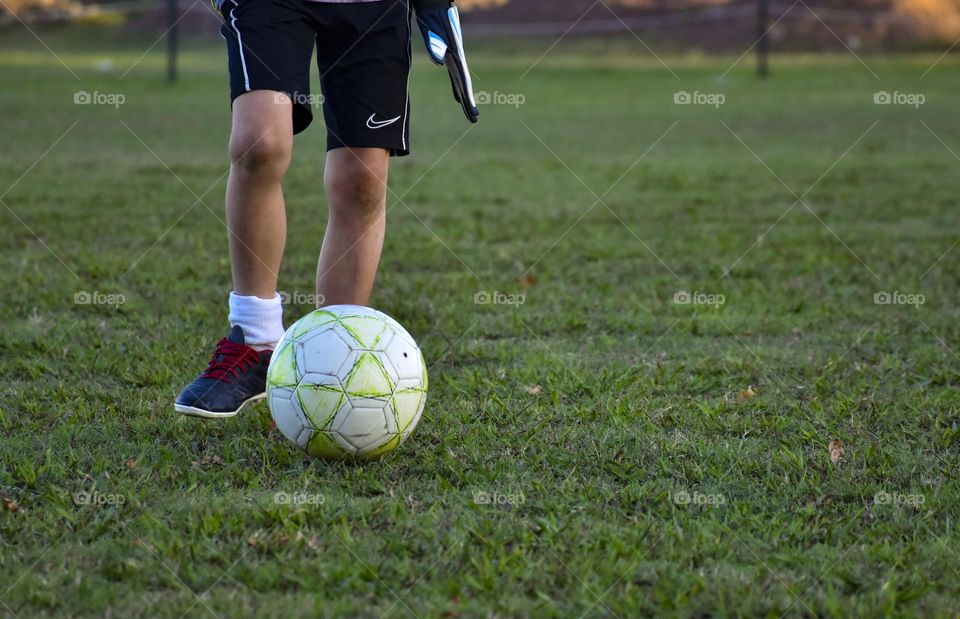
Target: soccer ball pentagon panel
[[346, 382]]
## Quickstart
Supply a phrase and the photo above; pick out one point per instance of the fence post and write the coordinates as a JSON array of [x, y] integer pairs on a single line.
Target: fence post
[[172, 21], [763, 48]]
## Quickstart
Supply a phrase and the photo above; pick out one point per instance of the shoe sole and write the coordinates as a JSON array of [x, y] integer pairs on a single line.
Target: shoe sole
[[192, 411]]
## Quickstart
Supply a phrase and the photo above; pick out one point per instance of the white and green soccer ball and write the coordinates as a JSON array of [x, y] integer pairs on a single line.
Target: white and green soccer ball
[[347, 382]]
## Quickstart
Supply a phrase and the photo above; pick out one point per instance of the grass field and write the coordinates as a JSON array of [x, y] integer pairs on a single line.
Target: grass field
[[593, 445]]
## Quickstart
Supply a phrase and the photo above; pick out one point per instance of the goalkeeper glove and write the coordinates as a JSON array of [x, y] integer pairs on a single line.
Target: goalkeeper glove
[[439, 22]]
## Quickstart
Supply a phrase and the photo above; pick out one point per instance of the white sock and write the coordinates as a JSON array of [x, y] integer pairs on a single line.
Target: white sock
[[260, 319]]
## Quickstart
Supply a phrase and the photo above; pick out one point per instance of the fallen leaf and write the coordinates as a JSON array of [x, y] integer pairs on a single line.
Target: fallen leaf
[[746, 394], [271, 429], [836, 451], [534, 389], [527, 281], [10, 505], [209, 460]]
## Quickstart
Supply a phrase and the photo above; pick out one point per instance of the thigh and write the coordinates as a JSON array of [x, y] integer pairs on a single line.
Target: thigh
[[269, 46], [363, 54]]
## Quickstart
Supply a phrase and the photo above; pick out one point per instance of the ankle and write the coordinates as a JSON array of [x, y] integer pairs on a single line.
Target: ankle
[[261, 319]]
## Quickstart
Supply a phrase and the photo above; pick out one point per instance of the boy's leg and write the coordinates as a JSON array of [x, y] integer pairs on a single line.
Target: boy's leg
[[363, 54], [269, 49], [356, 186], [261, 143]]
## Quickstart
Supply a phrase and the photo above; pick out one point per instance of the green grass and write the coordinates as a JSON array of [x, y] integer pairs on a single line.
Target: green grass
[[587, 411]]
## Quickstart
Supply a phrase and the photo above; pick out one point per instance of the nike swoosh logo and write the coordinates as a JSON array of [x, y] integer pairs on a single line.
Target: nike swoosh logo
[[380, 124]]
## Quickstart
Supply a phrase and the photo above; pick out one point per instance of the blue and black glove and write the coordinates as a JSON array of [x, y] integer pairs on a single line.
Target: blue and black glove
[[439, 22]]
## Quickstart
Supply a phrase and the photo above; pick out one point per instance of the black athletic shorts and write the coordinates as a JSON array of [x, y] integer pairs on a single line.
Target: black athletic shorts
[[363, 54]]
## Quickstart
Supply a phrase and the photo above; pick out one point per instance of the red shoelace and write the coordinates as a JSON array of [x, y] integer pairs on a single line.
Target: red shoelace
[[229, 359]]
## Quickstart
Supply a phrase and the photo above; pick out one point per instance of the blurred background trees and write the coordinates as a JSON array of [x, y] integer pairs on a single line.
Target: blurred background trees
[[681, 24]]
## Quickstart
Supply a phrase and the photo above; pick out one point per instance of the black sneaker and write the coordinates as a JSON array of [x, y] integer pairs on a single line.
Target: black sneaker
[[237, 374]]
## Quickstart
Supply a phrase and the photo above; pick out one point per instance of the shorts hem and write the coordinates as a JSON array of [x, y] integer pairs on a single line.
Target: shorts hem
[[395, 150]]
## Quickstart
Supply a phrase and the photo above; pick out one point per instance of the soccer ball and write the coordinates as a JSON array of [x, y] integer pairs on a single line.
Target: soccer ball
[[346, 382]]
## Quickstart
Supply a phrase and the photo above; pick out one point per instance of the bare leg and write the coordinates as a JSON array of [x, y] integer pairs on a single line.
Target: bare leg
[[261, 143], [356, 185]]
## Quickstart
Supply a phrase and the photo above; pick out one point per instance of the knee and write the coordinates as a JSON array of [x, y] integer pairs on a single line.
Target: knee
[[356, 189], [261, 151]]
